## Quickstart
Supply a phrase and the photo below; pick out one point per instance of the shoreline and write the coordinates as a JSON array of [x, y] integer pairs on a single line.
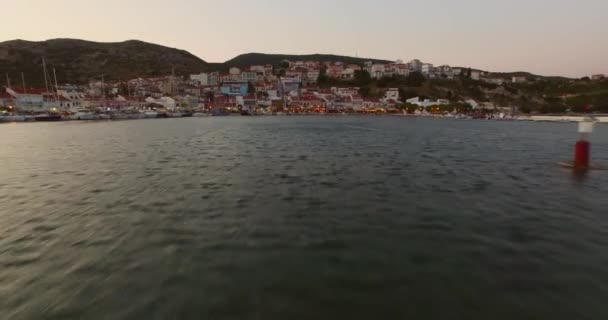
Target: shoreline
[[530, 118]]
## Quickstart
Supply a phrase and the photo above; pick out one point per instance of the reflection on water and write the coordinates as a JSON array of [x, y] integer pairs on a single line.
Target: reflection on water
[[300, 218]]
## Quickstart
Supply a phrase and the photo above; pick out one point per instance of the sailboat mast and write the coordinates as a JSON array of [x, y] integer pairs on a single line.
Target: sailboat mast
[[23, 83], [55, 76], [56, 85], [46, 82]]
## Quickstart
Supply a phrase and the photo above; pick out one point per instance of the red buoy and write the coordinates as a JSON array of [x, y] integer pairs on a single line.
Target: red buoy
[[581, 155]]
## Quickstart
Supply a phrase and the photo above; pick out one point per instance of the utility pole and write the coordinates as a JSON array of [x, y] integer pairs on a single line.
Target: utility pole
[[8, 81]]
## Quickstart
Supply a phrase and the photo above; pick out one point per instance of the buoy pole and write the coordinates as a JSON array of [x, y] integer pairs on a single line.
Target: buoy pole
[[582, 150]]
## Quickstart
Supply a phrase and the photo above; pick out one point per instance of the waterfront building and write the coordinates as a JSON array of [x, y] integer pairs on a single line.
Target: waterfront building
[[249, 76], [234, 88], [201, 79]]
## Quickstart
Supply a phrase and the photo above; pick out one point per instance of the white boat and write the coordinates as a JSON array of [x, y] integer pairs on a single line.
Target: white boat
[[200, 114], [12, 118], [150, 114], [84, 114]]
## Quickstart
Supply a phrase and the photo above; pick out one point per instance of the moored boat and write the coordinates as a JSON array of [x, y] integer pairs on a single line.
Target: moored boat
[[84, 114], [48, 117]]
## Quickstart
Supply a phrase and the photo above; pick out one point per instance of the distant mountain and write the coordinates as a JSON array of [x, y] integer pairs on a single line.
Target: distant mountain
[[78, 61], [249, 59]]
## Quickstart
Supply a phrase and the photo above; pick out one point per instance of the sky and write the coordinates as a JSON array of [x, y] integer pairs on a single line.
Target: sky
[[547, 37]]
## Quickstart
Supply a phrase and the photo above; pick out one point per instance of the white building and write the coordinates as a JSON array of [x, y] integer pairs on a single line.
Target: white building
[[519, 79], [28, 100], [249, 76], [167, 102], [257, 69], [415, 65], [345, 92], [475, 75], [391, 94], [427, 69], [313, 75], [497, 81], [202, 79], [427, 102], [234, 71], [213, 79], [348, 74], [377, 71]]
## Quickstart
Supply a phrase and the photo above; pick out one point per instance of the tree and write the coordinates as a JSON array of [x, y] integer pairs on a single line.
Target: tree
[[409, 108], [415, 79], [284, 64], [323, 78], [525, 109], [364, 92], [362, 78]]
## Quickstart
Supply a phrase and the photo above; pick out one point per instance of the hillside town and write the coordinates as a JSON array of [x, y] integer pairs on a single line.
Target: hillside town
[[291, 87]]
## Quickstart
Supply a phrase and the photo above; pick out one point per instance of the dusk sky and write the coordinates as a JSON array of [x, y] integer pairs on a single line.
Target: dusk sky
[[548, 37]]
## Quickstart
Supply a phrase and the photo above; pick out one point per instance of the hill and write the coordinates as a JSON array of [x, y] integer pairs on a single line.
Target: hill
[[78, 61], [249, 59]]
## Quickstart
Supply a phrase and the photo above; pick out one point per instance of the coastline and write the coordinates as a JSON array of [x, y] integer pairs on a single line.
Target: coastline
[[532, 118]]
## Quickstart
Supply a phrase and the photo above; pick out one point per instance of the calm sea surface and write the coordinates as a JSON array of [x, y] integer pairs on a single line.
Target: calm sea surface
[[300, 218]]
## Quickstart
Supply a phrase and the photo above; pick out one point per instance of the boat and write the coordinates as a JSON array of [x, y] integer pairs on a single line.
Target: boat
[[151, 114], [84, 114], [201, 114], [12, 118], [48, 117]]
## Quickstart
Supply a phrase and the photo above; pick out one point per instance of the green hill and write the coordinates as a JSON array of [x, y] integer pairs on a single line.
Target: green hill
[[78, 61], [249, 59]]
